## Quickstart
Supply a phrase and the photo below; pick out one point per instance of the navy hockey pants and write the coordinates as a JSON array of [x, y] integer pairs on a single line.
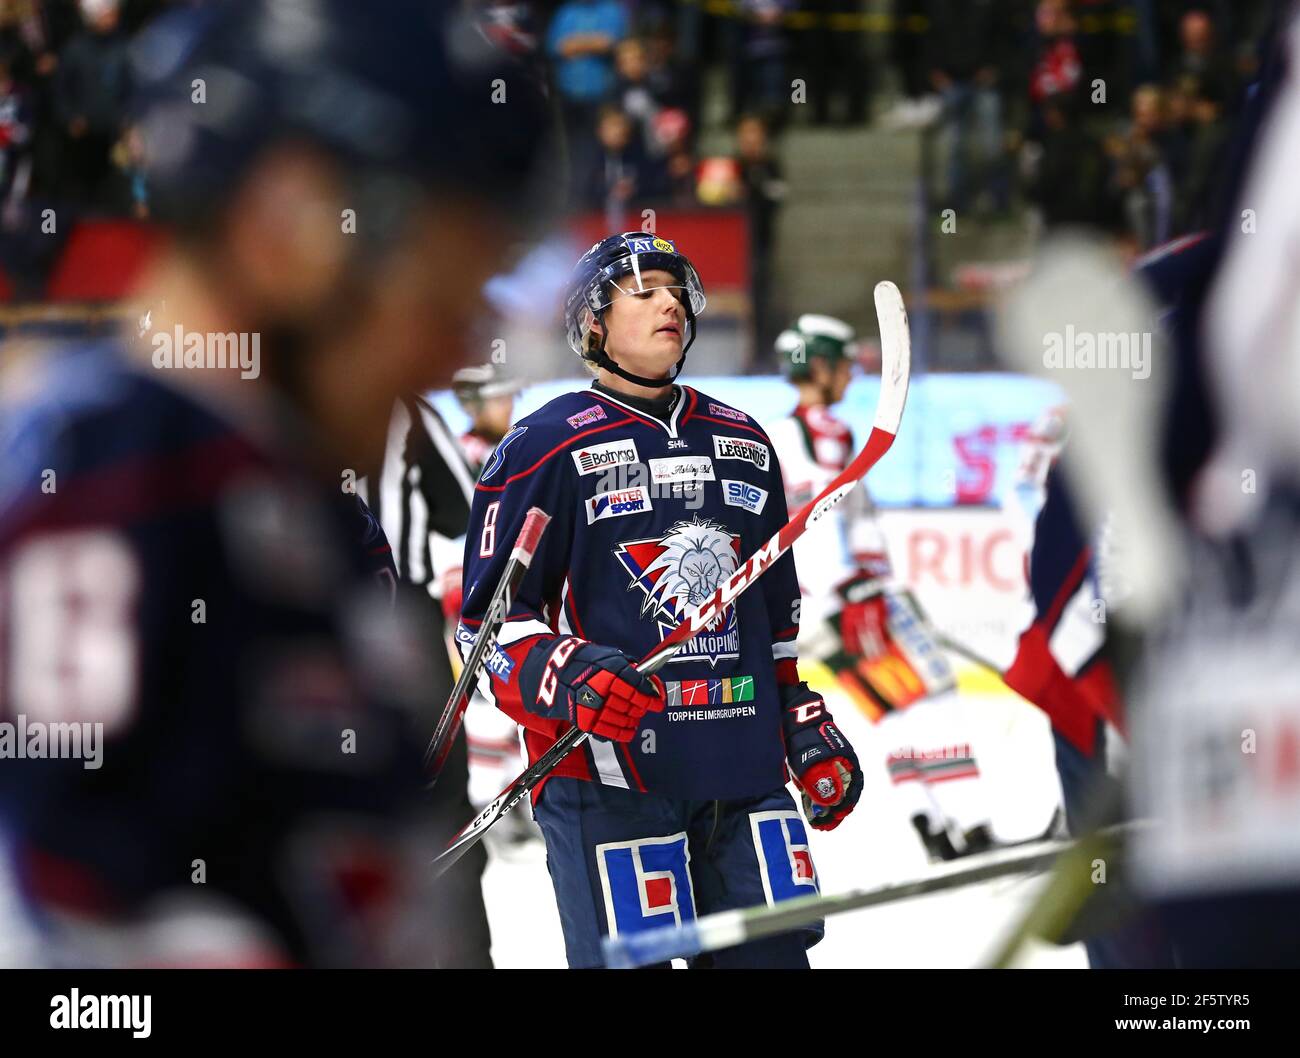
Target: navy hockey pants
[[623, 861]]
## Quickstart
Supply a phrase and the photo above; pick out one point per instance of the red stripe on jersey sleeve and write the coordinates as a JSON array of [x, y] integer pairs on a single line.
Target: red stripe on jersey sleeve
[[787, 672]]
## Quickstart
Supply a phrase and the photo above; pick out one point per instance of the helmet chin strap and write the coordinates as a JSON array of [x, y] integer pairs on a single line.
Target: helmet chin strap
[[603, 359]]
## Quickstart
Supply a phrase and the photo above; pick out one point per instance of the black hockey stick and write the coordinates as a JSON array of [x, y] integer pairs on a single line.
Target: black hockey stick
[[530, 535], [895, 367]]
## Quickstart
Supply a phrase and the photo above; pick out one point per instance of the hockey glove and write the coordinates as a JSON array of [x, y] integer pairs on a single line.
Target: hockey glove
[[595, 688], [864, 615], [824, 766]]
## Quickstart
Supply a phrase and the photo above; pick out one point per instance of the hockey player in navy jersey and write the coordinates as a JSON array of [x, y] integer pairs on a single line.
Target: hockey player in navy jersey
[[677, 806], [183, 573]]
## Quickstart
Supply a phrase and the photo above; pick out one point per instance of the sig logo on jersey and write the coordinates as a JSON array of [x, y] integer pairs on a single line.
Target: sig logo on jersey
[[681, 569], [743, 494], [681, 468], [742, 448], [617, 504], [595, 458], [646, 883]]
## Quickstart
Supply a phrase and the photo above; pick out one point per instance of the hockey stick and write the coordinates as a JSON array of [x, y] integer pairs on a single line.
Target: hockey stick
[[894, 370], [949, 643], [530, 535], [725, 929]]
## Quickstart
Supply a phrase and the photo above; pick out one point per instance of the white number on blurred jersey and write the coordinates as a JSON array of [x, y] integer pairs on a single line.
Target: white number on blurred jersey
[[71, 629]]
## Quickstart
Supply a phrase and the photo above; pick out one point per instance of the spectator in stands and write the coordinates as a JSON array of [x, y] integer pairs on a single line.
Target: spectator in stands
[[1057, 70], [764, 189], [671, 77], [635, 94], [1140, 182], [621, 170], [24, 39], [15, 143], [833, 61], [966, 55], [1200, 61], [760, 79], [1065, 172], [92, 88], [672, 132], [581, 41], [1206, 133], [908, 50]]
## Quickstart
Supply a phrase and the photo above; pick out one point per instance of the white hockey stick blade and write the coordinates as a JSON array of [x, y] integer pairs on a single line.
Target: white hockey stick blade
[[895, 356]]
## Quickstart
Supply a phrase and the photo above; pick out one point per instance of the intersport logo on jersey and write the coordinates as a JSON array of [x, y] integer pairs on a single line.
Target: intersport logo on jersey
[[742, 448], [595, 458], [617, 504]]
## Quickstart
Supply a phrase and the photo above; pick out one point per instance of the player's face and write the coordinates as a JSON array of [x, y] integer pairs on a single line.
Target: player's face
[[417, 306], [494, 417], [843, 375], [647, 326]]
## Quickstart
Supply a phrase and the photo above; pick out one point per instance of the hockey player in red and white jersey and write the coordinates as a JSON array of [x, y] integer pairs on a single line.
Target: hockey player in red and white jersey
[[854, 620]]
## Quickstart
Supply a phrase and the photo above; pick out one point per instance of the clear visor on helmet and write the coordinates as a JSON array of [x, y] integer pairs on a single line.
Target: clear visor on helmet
[[638, 275], [642, 273]]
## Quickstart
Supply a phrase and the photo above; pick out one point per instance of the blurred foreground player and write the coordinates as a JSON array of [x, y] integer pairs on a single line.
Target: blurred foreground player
[[421, 494], [874, 638], [179, 566], [677, 806]]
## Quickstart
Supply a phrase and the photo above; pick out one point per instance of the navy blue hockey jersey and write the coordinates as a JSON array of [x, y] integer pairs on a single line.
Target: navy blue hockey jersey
[[211, 606], [648, 518]]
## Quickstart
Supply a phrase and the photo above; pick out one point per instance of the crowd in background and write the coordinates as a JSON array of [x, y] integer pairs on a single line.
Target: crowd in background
[[1011, 85], [1117, 129]]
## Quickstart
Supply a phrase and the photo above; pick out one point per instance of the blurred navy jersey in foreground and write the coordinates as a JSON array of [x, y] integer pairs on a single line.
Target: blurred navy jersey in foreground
[[213, 612]]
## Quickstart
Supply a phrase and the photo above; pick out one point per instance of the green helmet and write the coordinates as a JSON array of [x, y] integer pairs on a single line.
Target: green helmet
[[814, 336]]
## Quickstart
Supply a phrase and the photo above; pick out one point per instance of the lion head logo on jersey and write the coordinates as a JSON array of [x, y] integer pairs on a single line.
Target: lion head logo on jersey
[[679, 570]]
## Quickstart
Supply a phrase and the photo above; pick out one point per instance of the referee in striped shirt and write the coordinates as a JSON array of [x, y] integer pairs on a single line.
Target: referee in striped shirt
[[421, 496]]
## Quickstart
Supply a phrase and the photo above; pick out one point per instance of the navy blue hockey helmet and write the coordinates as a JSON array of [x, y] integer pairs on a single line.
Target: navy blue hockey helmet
[[406, 95], [590, 290]]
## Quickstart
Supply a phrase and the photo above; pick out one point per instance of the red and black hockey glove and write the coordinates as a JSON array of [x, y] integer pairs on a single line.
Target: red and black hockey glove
[[864, 615], [595, 688], [824, 766]]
